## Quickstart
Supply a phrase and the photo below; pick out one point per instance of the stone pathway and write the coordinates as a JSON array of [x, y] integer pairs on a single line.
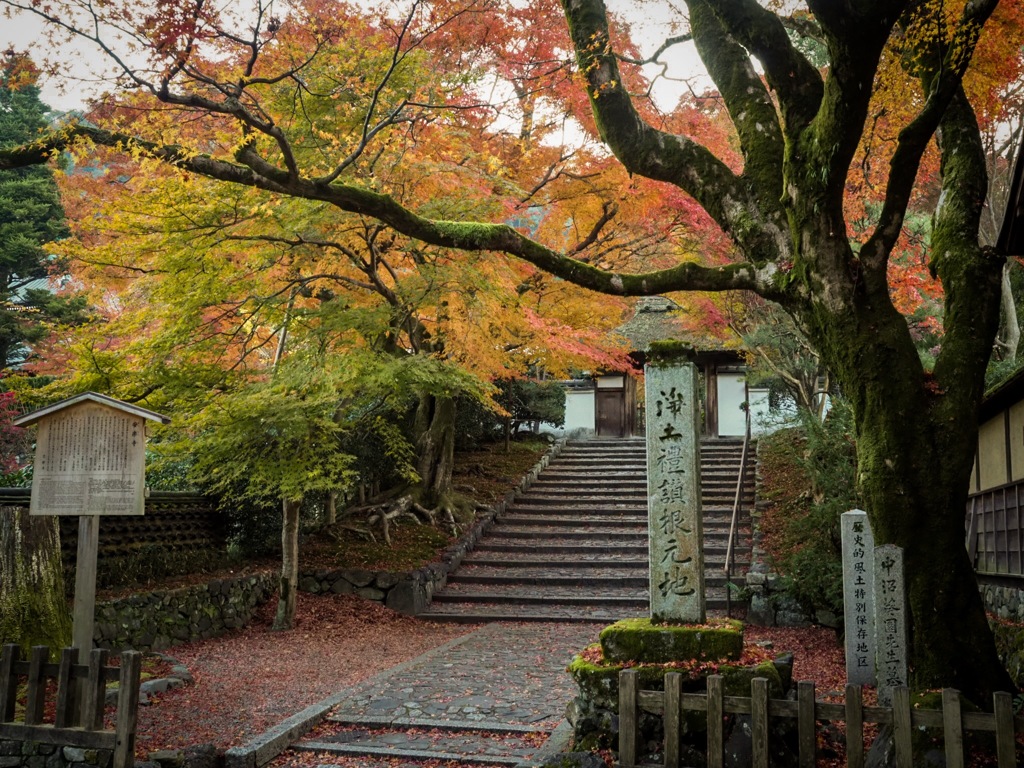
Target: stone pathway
[[492, 697]]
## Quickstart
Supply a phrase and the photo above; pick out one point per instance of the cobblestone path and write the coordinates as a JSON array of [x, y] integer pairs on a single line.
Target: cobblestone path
[[490, 698]]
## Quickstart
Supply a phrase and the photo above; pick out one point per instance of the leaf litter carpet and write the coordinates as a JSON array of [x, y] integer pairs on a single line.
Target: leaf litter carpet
[[252, 679]]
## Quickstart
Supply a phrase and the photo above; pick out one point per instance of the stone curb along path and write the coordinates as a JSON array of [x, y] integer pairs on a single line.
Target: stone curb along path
[[493, 697]]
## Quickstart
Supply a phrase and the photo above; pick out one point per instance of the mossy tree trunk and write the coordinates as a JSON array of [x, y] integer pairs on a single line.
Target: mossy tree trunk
[[435, 447], [289, 581], [916, 429], [33, 604]]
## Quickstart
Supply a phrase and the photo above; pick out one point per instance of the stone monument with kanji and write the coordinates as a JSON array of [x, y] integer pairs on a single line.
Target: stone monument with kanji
[[673, 489]]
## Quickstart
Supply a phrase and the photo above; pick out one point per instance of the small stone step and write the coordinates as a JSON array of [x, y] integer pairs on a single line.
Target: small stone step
[[639, 537], [550, 497], [547, 577], [540, 512], [409, 747], [578, 562], [639, 603], [559, 521], [579, 548], [546, 593]]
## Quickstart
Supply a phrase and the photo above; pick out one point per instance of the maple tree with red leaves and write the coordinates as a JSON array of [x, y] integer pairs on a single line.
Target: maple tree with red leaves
[[798, 130]]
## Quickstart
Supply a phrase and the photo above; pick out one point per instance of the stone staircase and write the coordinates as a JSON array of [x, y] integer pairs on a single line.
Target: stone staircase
[[574, 546]]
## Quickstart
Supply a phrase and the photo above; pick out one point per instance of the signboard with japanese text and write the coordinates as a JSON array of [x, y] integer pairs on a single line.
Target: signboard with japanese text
[[90, 456], [673, 488], [89, 460]]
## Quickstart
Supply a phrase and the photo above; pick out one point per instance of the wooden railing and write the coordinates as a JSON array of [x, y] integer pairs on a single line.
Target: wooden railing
[[671, 702], [736, 507], [79, 704]]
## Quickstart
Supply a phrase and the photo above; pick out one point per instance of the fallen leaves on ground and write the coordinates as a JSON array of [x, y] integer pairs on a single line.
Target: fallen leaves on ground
[[252, 679]]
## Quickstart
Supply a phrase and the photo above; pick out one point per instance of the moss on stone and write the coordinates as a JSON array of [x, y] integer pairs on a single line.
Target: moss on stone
[[599, 683], [736, 680], [643, 641]]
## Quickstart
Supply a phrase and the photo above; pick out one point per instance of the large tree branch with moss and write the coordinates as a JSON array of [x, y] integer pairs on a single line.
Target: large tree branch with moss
[[253, 171], [662, 156], [855, 40], [745, 95], [788, 72]]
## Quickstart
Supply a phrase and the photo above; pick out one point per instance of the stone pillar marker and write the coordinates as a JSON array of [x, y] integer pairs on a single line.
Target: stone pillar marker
[[858, 573], [673, 488], [890, 621]]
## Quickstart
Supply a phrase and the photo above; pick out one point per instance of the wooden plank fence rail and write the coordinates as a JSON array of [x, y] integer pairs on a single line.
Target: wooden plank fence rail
[[79, 704], [672, 702]]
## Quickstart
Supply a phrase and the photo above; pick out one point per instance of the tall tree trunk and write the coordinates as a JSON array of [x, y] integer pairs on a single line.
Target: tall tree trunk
[[435, 447], [33, 603], [915, 450], [285, 617]]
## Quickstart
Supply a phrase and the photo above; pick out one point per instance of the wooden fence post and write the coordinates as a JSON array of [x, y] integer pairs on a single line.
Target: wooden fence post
[[716, 736], [67, 688], [1006, 744], [901, 727], [36, 697], [806, 724], [627, 718], [8, 684], [673, 713], [759, 721], [854, 727], [93, 699], [953, 728], [127, 709]]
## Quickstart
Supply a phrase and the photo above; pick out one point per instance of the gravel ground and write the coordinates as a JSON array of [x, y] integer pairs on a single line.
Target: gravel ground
[[252, 679]]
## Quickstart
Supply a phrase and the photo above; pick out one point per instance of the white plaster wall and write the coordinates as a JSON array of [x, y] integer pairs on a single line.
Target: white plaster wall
[[580, 411], [732, 393], [580, 414]]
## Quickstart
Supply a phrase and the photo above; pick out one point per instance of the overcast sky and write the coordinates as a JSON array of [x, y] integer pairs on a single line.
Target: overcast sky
[[651, 20]]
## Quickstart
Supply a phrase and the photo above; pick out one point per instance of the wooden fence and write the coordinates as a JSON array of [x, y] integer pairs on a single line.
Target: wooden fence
[[806, 711], [80, 700]]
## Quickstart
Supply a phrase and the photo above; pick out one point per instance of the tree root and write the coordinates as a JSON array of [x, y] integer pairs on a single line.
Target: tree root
[[382, 515], [335, 530], [442, 511]]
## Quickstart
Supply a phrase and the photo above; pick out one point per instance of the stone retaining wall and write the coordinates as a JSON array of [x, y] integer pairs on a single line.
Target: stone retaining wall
[[1003, 598], [157, 620], [31, 754]]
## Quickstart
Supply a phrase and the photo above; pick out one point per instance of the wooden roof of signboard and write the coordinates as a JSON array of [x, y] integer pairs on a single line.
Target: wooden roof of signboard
[[95, 397]]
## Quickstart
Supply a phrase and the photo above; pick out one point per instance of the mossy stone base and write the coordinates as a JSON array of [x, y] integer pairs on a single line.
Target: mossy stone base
[[643, 641], [594, 711]]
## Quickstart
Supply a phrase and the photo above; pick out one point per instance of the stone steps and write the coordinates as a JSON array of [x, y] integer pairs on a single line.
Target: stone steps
[[484, 743], [573, 547]]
